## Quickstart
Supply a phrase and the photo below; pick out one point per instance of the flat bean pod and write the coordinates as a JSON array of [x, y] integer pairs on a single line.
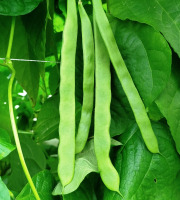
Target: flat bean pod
[[66, 149], [102, 140], [127, 83], [88, 80]]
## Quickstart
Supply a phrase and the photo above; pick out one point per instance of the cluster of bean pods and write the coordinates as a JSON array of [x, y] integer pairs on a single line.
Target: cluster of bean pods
[[99, 48]]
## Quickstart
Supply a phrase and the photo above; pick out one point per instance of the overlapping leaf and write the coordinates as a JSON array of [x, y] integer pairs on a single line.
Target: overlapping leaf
[[144, 175], [35, 160], [28, 43], [85, 163], [163, 15], [147, 57]]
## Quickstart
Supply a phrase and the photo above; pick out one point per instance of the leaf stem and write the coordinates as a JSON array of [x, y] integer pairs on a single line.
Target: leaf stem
[[11, 38], [13, 123]]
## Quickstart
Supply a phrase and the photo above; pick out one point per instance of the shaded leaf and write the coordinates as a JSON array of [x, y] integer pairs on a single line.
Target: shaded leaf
[[84, 192], [48, 119], [5, 122]]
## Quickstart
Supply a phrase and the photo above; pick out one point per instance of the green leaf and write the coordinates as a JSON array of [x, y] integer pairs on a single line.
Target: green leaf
[[154, 112], [27, 73], [17, 7], [145, 175], [44, 184], [115, 143], [119, 117], [85, 163], [3, 86], [4, 193], [48, 120], [169, 102], [29, 43], [84, 192], [35, 160], [163, 15], [146, 54], [5, 122], [53, 79], [6, 146]]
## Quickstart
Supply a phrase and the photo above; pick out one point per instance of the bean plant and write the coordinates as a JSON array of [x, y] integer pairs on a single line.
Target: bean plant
[[90, 100]]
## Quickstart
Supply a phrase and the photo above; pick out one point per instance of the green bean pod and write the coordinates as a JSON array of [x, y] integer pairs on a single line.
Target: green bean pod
[[88, 80], [66, 150], [102, 140], [127, 83]]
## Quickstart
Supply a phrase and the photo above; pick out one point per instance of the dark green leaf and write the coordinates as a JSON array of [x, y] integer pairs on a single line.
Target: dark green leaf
[[144, 175], [3, 85], [53, 79], [5, 144], [5, 122], [17, 7], [163, 15], [154, 112], [48, 119], [84, 192], [44, 184]]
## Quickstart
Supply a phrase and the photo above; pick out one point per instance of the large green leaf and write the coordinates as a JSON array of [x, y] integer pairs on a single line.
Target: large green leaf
[[17, 7], [44, 184], [4, 193], [35, 160], [163, 15], [146, 176], [85, 163], [29, 43], [169, 102], [5, 144], [146, 54]]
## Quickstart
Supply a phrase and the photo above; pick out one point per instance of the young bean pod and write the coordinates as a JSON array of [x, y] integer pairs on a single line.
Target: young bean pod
[[127, 83], [88, 80], [66, 149], [102, 140]]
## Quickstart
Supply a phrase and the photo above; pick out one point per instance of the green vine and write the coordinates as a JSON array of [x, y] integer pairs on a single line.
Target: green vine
[[9, 64]]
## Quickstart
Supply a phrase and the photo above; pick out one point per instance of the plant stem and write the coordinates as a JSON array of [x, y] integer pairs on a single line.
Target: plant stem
[[11, 38], [13, 123], [16, 137]]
